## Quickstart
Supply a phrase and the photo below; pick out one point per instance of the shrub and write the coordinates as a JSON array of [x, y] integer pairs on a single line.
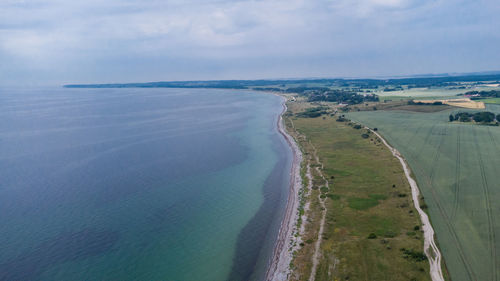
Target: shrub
[[372, 236], [357, 126], [365, 136], [414, 255], [312, 112]]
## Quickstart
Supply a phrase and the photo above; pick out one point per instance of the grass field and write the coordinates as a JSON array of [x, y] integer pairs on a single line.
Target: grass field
[[370, 217], [492, 100], [456, 167]]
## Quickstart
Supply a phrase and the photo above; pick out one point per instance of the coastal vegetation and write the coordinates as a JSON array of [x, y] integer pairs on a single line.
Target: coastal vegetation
[[313, 112], [319, 94], [366, 221]]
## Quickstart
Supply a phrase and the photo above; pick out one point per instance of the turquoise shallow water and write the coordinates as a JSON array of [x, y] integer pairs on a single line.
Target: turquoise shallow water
[[139, 184]]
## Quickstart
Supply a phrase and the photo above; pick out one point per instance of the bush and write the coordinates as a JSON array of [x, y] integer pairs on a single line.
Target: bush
[[312, 112], [357, 126], [414, 255], [372, 236], [365, 136]]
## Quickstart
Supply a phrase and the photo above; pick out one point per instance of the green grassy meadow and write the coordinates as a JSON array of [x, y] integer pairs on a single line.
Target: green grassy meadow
[[370, 217], [492, 100], [457, 168]]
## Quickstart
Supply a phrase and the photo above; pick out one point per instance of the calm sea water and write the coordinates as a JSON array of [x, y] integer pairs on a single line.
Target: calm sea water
[[139, 184]]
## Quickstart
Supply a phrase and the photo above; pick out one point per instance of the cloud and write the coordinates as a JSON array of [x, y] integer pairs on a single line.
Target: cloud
[[106, 40]]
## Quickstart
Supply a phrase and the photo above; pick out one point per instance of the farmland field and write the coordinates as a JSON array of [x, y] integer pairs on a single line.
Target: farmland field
[[423, 92], [456, 167], [491, 100]]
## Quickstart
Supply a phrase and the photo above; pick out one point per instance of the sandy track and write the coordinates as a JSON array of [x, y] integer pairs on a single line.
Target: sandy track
[[430, 248], [317, 246]]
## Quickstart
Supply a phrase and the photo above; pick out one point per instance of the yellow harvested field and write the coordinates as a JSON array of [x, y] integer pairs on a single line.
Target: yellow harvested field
[[465, 103]]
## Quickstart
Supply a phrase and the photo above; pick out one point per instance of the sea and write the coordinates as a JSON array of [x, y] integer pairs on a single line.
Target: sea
[[140, 183]]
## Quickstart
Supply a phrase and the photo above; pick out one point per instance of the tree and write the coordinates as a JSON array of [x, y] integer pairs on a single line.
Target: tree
[[452, 118], [485, 117]]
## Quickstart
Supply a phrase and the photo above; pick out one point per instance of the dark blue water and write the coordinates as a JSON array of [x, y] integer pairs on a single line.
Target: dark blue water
[[139, 184]]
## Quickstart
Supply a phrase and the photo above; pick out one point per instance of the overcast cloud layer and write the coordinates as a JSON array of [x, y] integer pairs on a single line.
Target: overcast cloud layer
[[92, 41]]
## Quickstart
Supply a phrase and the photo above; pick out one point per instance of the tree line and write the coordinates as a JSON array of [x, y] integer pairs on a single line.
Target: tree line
[[478, 117]]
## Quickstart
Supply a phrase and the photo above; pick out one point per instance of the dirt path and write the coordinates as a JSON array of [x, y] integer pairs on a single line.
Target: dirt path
[[430, 248], [317, 245]]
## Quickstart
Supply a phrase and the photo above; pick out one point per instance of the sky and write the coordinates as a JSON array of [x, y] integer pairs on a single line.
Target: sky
[[51, 42]]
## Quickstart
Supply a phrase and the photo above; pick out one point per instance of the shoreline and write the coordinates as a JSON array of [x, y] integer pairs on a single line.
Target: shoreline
[[279, 264]]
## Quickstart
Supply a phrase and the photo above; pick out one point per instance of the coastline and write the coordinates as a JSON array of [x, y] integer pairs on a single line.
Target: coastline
[[279, 264]]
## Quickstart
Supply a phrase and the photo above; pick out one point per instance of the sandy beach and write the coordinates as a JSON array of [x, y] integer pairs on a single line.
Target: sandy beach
[[279, 265]]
